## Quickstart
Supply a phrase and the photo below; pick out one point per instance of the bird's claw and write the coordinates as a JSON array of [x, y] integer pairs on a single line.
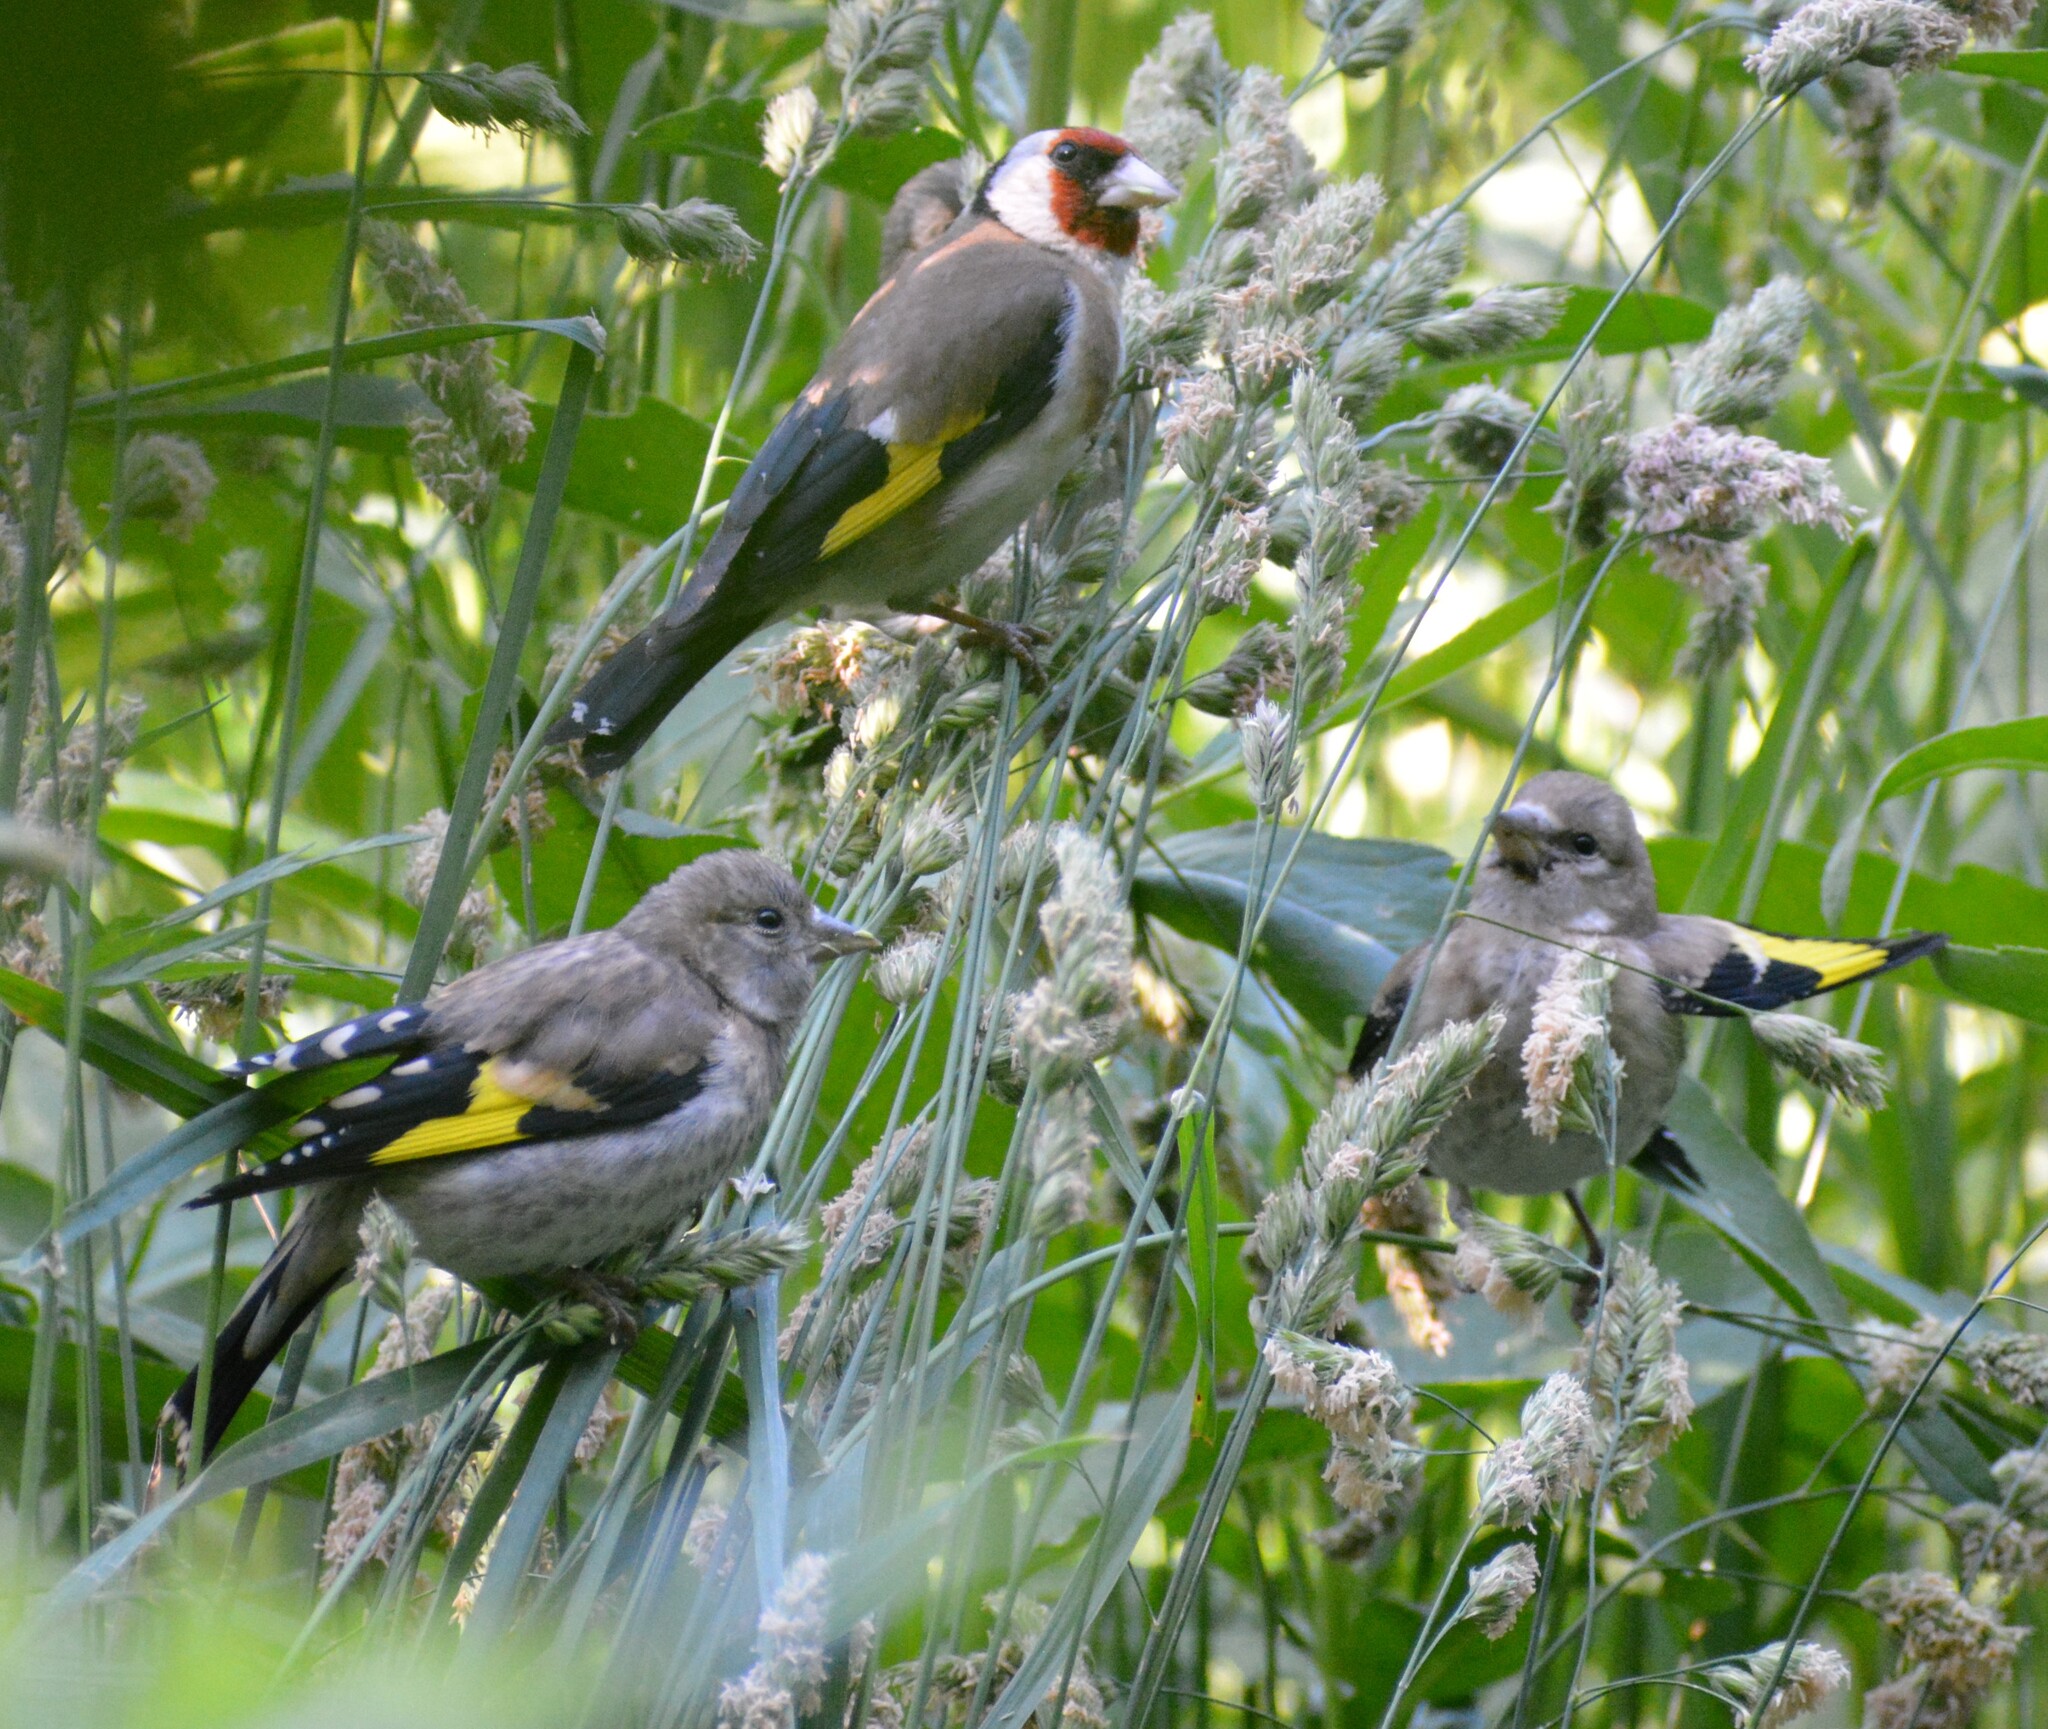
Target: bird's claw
[[1018, 642], [615, 1300]]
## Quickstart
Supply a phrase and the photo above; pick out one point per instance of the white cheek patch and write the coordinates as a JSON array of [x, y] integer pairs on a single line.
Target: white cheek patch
[[1021, 197]]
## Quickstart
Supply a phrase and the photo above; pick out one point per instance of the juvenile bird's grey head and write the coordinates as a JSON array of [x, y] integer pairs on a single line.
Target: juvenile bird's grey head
[[1566, 854], [742, 921]]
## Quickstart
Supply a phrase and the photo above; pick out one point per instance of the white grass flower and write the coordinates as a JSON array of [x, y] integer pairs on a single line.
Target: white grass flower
[[166, 479], [1739, 373], [1691, 478], [1500, 318], [1825, 35], [1178, 95], [1732, 596], [1899, 1356], [1852, 1072], [787, 130], [1357, 1395], [522, 98], [1568, 1065], [1367, 35], [1513, 1269], [1266, 737], [1951, 1651], [1418, 1281], [1538, 1472], [1367, 1481], [1165, 332], [1589, 427], [1259, 663], [1410, 283], [1640, 1385], [1477, 429], [1813, 1675], [1316, 251], [1062, 1146], [1869, 135], [2015, 1363], [2008, 1538], [1497, 1590], [1083, 1009], [1262, 162], [1199, 430], [904, 971], [695, 232], [1364, 368], [386, 1251], [933, 840]]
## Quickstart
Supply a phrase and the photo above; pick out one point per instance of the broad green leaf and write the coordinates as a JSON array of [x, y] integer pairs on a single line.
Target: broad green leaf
[[126, 1054], [637, 469], [1478, 640], [1348, 911], [2027, 66], [2010, 744], [2004, 977], [730, 127], [1973, 390], [1739, 1199]]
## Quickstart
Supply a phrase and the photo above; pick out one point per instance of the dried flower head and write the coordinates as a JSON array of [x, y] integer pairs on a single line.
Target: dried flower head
[[1813, 1674], [1569, 1068], [1951, 1651], [788, 1679], [2015, 1363], [1899, 1356], [1640, 1386], [1496, 1591], [1315, 253], [865, 39], [1366, 35], [1589, 427], [1229, 558], [1691, 478], [1266, 736], [1410, 283], [166, 479], [1825, 35], [1357, 1395], [1202, 426], [385, 1254], [788, 130], [1062, 1148], [1731, 589], [1538, 1472], [1852, 1072], [1513, 1269], [1259, 663], [521, 98], [213, 1004], [1082, 1009], [1364, 368], [2008, 1538], [1739, 373], [1165, 332], [1418, 1281], [724, 1260], [934, 839], [469, 936], [1868, 137], [1477, 430]]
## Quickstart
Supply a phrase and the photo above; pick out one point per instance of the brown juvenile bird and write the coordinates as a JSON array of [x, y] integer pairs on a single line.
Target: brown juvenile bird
[[559, 1105], [965, 389], [1567, 871]]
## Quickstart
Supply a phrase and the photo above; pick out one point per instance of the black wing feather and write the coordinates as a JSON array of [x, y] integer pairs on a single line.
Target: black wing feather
[[1376, 1037], [388, 1030], [1733, 984]]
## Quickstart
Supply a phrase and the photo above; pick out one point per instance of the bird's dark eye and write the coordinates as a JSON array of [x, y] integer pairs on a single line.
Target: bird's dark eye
[[767, 919], [1064, 154], [1584, 845]]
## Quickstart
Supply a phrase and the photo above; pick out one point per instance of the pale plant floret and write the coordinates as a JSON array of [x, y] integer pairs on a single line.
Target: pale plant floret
[[788, 1680], [1739, 373], [1418, 1281], [1732, 597], [1165, 331], [1590, 430], [1409, 284], [787, 130], [1062, 1146], [1229, 558], [1513, 1269], [1478, 428], [386, 1244], [2009, 1537], [166, 479], [1178, 95], [867, 39], [726, 1260], [1639, 1383], [1498, 319], [1497, 1590], [1316, 252], [469, 936], [1364, 368], [1262, 165], [1824, 35], [1852, 1072], [1538, 1473], [1366, 1481], [1259, 663], [1813, 1675], [904, 971], [1688, 477], [605, 1421], [1899, 1356], [1261, 341], [1567, 1059], [1199, 431], [1388, 499], [1951, 1651], [694, 232], [1366, 35], [1357, 1395], [1868, 138], [934, 839], [521, 98], [2015, 1363], [1082, 1010], [212, 1004], [1271, 766]]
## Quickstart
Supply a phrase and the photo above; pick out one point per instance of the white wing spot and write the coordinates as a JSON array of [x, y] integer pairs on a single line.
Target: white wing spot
[[418, 1066], [356, 1098], [394, 1020], [305, 1129], [882, 428], [336, 1043]]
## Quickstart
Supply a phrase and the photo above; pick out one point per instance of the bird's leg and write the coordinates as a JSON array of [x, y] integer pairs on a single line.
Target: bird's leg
[[616, 1299], [1583, 1295], [1020, 642]]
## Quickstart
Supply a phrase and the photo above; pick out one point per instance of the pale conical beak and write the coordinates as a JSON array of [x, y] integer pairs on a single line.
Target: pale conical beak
[[830, 936], [1521, 832], [1134, 184]]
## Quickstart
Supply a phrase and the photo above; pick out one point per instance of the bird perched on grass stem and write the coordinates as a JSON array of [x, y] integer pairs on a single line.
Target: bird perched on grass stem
[[549, 1109], [1568, 874], [965, 389]]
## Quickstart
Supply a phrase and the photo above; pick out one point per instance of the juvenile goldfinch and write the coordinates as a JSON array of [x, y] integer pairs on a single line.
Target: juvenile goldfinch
[[1568, 871], [554, 1107], [966, 387]]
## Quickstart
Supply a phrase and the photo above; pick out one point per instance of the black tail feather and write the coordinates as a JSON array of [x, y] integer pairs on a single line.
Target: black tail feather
[[631, 694], [1664, 1161]]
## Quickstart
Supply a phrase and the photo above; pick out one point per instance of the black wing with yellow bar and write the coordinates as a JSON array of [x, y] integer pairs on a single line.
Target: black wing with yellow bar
[[1762, 970]]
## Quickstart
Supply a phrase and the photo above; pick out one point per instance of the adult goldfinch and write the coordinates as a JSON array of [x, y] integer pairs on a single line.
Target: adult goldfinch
[[559, 1105], [966, 387], [1568, 871]]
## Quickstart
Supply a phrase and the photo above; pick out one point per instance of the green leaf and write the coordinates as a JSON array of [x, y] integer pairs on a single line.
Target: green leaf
[[1349, 909], [729, 127], [1739, 1199], [1643, 321], [2027, 66], [1198, 1155], [638, 469], [2008, 978], [2008, 744], [1478, 640], [125, 1054]]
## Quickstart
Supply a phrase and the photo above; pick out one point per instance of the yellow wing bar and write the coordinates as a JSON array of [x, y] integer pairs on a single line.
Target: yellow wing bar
[[1837, 963], [491, 1119]]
